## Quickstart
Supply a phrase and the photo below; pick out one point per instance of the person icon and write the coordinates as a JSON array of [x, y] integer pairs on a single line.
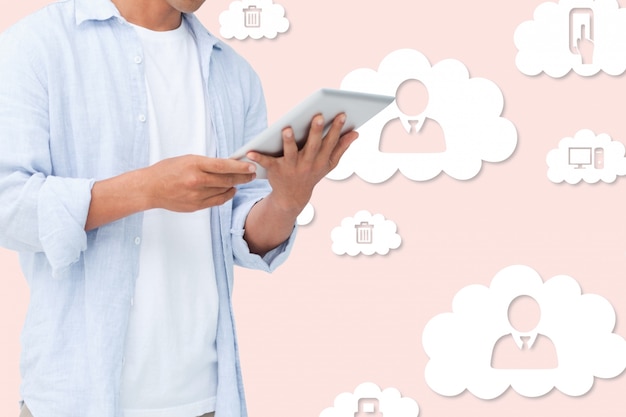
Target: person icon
[[411, 131], [524, 347]]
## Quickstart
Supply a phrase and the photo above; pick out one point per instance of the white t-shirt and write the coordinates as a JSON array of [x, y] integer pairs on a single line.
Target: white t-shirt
[[170, 365]]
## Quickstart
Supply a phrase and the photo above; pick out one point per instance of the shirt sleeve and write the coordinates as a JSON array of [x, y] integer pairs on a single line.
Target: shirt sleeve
[[246, 198], [249, 194], [39, 212]]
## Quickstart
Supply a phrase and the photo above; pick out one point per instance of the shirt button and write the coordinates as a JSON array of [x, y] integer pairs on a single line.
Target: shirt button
[[132, 301], [142, 118], [138, 60], [137, 240]]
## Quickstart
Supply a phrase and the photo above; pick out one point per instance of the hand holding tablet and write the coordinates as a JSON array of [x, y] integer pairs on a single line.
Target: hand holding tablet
[[358, 108]]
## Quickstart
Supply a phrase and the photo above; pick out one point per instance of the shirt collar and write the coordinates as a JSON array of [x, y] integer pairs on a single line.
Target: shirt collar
[[94, 10], [105, 9], [200, 32]]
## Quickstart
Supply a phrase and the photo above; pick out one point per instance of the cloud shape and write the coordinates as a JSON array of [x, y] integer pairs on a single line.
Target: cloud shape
[[253, 18], [365, 234], [467, 110], [586, 157], [368, 396], [306, 216], [584, 35], [461, 344]]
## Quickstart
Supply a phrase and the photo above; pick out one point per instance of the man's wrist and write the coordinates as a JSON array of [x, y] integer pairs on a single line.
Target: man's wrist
[[286, 206]]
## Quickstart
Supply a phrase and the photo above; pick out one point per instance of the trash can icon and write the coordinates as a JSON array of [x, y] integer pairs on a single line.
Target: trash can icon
[[252, 17], [368, 407], [364, 232]]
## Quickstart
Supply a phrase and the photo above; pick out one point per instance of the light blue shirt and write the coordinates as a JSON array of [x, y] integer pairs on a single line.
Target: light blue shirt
[[73, 110]]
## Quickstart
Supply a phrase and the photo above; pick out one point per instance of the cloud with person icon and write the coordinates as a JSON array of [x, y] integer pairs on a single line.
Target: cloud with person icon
[[369, 400], [587, 157], [365, 233], [586, 36], [465, 112], [253, 18], [478, 347]]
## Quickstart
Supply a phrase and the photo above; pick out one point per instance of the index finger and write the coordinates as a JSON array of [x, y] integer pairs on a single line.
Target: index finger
[[225, 166]]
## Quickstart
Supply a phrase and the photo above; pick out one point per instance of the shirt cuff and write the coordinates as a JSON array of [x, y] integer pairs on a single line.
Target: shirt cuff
[[62, 211], [244, 258]]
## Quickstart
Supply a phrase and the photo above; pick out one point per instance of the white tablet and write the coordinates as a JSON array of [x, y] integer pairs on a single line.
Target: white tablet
[[358, 107]]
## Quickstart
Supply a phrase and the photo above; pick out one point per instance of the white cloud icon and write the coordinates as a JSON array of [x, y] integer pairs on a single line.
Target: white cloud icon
[[365, 234], [477, 347], [253, 18], [369, 400], [586, 157], [584, 35], [306, 216], [464, 111]]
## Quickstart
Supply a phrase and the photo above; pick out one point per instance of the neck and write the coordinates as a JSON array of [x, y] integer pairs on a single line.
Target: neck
[[155, 15]]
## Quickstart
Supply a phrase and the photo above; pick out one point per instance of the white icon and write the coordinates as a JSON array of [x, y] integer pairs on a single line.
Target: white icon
[[560, 339], [459, 122], [356, 235], [369, 401], [586, 36], [587, 157], [581, 22], [364, 232], [412, 131], [368, 407], [306, 215], [252, 17], [524, 347], [580, 157]]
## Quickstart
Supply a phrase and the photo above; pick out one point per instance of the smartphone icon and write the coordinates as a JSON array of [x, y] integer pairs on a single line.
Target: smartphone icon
[[598, 158]]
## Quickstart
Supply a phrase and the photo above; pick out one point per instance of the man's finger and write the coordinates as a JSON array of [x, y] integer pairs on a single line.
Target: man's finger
[[314, 140], [342, 146], [219, 199], [224, 166], [290, 148], [334, 133]]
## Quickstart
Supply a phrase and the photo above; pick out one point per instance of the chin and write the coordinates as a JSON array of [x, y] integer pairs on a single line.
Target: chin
[[186, 6]]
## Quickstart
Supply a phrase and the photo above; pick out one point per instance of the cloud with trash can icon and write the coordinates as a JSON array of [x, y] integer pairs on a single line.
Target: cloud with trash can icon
[[441, 121], [525, 334], [586, 36], [365, 234], [368, 400], [587, 157], [253, 18]]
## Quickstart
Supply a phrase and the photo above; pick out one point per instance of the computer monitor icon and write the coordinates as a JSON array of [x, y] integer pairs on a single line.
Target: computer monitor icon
[[581, 157]]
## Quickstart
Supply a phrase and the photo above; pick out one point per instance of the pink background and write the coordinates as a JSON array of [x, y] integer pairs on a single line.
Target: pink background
[[323, 324]]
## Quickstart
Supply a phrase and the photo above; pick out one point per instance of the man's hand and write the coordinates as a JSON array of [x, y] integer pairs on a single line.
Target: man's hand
[[184, 184], [293, 177], [190, 183]]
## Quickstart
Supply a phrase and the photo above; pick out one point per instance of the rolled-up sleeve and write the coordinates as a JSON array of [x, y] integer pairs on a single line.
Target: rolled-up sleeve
[[39, 212], [249, 194], [245, 199]]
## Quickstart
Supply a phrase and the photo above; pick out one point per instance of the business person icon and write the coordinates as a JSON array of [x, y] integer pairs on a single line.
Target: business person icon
[[412, 131], [524, 347]]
